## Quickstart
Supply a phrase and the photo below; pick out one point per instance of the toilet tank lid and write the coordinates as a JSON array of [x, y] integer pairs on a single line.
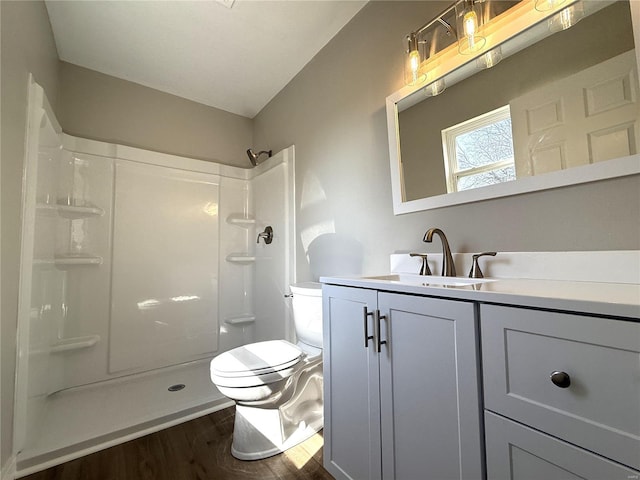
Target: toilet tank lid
[[313, 289], [256, 359]]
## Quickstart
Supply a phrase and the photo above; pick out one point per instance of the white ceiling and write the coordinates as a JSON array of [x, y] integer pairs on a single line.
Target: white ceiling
[[236, 59]]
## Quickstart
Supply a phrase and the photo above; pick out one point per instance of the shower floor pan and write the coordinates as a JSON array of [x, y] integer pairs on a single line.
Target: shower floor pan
[[83, 420]]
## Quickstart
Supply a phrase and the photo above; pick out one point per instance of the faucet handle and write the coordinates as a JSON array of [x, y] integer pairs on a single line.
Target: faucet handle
[[424, 269], [475, 271]]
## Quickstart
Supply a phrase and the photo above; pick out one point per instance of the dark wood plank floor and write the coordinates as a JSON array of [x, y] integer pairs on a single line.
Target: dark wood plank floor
[[196, 450]]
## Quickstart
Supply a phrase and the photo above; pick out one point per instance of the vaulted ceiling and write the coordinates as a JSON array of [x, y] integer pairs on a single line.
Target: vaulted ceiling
[[233, 55]]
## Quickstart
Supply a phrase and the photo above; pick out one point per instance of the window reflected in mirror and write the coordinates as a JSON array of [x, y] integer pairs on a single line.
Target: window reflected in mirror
[[479, 152]]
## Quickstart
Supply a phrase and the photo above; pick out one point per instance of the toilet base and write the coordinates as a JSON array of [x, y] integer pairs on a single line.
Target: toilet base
[[262, 432]]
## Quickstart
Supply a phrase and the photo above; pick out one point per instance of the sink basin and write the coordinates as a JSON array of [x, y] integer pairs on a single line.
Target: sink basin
[[429, 280]]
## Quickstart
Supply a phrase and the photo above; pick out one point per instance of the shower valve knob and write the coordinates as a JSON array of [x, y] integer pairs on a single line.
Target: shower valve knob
[[267, 235]]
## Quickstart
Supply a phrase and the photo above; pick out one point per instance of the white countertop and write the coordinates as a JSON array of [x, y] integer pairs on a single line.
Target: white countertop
[[611, 299]]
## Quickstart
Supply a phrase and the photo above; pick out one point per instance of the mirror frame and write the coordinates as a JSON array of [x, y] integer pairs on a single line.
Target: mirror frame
[[515, 21]]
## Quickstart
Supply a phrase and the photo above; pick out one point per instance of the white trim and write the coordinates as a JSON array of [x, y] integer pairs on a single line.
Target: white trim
[[634, 5], [38, 109], [584, 174]]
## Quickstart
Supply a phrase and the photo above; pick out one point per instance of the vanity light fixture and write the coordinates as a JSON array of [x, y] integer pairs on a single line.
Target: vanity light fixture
[[469, 20], [462, 22]]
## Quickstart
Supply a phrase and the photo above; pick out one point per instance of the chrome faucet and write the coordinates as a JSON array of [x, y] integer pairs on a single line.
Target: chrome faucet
[[448, 267]]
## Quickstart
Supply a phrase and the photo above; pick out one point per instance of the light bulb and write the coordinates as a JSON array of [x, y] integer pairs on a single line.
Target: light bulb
[[470, 27], [414, 64], [413, 68], [469, 23]]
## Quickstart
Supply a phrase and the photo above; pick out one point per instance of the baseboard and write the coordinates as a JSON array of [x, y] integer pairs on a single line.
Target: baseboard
[[8, 471]]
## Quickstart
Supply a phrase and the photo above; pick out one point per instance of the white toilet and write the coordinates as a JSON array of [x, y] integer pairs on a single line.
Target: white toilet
[[277, 386]]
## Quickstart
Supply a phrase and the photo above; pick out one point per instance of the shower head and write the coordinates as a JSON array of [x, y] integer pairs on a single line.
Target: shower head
[[253, 157]]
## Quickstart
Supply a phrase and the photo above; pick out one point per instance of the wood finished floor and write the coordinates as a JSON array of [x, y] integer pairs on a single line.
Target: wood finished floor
[[196, 450]]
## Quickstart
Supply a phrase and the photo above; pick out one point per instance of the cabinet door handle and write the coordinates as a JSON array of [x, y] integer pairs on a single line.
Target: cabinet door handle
[[376, 333], [560, 379], [367, 337]]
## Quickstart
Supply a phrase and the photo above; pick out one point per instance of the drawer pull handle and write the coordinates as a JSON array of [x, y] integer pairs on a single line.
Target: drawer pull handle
[[560, 379]]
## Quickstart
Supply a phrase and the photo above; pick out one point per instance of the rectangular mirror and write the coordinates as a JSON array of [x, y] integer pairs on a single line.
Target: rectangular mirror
[[558, 109]]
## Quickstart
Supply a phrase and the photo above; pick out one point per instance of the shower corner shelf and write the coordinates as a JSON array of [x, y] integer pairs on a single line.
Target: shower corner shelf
[[71, 212], [69, 260], [240, 320], [74, 343], [241, 220], [241, 258]]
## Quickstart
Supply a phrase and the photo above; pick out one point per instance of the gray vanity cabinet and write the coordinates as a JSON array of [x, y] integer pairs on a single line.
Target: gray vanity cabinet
[[410, 410], [592, 401]]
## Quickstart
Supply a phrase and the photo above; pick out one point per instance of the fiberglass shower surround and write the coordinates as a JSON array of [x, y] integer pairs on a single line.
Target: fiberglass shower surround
[[137, 269]]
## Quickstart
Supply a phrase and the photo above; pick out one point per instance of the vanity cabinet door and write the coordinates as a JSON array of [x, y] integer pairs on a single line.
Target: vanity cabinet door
[[429, 389], [516, 452], [351, 385]]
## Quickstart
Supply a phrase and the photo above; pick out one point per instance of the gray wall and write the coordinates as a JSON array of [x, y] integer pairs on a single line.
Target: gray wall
[[27, 46], [101, 107], [333, 111]]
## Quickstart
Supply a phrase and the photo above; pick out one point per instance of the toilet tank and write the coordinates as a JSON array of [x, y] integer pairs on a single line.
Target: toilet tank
[[307, 312]]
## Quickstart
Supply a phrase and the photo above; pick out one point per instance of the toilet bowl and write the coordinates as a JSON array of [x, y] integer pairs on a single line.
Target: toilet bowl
[[277, 386]]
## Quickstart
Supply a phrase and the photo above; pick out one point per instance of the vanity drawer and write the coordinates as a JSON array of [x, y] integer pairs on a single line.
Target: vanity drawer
[[599, 410], [516, 452]]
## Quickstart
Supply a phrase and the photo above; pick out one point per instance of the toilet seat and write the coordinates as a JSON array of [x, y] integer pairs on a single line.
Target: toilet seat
[[255, 364]]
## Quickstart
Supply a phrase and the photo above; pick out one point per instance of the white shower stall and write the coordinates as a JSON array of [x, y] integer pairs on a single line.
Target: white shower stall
[[137, 268]]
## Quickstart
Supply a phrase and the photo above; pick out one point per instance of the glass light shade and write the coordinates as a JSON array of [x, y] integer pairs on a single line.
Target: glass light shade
[[567, 18], [490, 59], [469, 22], [546, 5], [413, 66], [435, 88]]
